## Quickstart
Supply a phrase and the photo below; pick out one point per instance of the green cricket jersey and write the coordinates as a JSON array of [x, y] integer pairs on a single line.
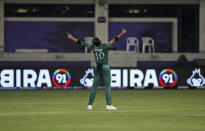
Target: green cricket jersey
[[100, 52]]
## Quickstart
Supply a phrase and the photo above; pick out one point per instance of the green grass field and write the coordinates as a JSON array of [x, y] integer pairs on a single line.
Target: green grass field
[[138, 110]]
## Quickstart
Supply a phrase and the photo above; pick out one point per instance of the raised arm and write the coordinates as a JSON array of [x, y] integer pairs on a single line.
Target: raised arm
[[72, 38], [118, 37], [78, 41]]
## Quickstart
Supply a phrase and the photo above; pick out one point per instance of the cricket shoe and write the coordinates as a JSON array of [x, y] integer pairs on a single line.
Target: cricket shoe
[[90, 107], [111, 107]]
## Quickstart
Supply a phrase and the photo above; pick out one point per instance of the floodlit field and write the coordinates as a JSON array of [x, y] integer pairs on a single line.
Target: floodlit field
[[138, 110]]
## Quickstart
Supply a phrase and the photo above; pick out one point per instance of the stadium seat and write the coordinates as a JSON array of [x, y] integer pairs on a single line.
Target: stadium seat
[[133, 41], [147, 42]]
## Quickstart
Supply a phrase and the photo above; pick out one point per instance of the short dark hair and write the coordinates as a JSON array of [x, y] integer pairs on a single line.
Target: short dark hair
[[96, 41]]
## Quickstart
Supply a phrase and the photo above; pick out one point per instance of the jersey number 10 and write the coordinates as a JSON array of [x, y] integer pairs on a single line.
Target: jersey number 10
[[99, 55]]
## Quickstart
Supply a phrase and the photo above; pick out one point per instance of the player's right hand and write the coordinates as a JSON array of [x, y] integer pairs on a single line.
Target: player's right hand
[[69, 36]]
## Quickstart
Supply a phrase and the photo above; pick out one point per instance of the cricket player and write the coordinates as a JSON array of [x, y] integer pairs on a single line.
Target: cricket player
[[100, 52]]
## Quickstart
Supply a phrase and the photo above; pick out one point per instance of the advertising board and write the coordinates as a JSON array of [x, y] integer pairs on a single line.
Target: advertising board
[[82, 77]]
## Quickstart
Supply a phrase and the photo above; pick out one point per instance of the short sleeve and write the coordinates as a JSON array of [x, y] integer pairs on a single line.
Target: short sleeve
[[108, 45], [89, 46]]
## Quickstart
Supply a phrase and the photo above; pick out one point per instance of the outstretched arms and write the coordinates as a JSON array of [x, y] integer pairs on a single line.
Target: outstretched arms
[[85, 44], [118, 37]]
